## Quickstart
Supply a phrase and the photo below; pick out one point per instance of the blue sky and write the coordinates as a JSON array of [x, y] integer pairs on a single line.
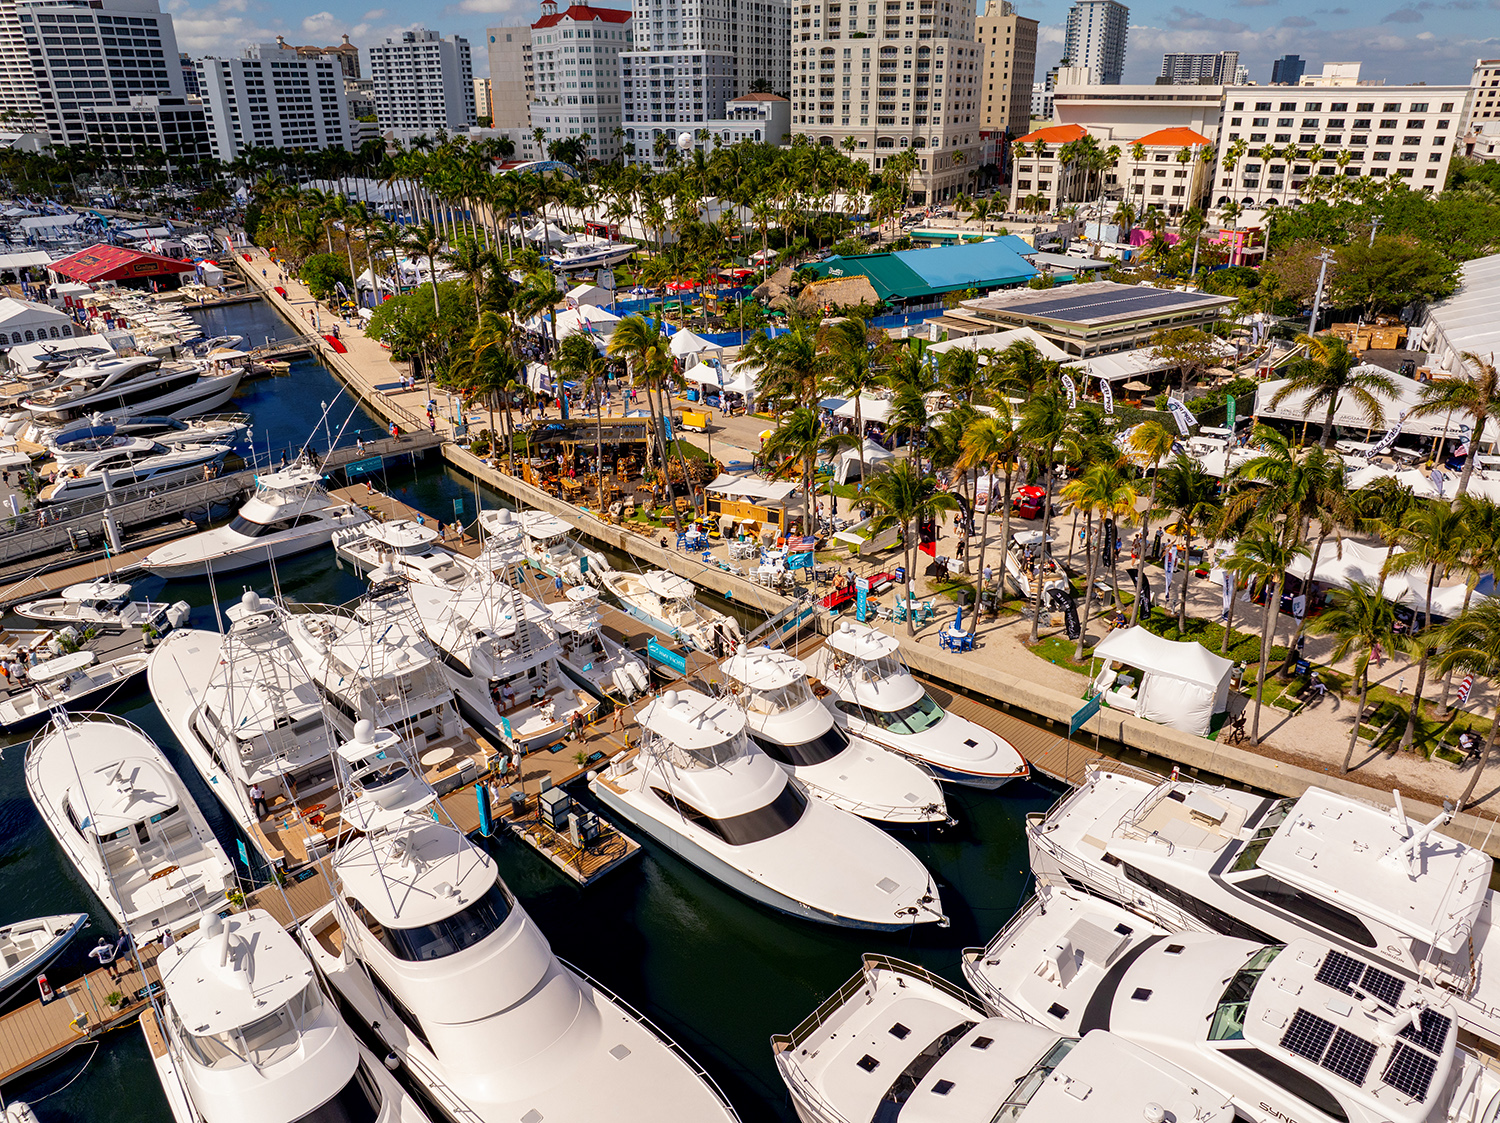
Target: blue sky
[[1402, 41]]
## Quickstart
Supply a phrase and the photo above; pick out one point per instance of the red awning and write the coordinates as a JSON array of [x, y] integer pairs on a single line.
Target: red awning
[[116, 263], [280, 291]]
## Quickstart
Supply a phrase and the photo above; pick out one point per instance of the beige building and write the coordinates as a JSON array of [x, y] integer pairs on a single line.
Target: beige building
[[1484, 102], [1008, 44], [483, 104], [512, 85]]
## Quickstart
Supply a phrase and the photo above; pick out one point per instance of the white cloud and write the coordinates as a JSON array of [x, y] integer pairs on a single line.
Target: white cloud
[[215, 28], [491, 6], [375, 13]]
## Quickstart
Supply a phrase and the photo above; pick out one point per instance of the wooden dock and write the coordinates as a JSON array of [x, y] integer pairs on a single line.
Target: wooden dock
[[36, 1034], [584, 864]]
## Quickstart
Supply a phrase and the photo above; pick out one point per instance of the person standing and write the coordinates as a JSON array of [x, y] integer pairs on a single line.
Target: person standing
[[258, 802]]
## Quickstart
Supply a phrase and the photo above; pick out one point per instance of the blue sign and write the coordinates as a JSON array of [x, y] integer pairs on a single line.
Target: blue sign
[[1084, 712], [656, 651], [486, 814], [799, 561], [505, 729], [458, 510], [244, 854], [861, 598], [368, 464]]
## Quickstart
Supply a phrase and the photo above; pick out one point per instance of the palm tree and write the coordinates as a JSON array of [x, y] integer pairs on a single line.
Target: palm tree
[[1184, 489], [1331, 373], [1433, 535], [1481, 519], [846, 368], [1102, 492], [900, 497], [1153, 441], [1360, 616], [789, 363], [473, 260], [487, 371], [1046, 429], [578, 358], [798, 438], [1473, 643], [1477, 396], [993, 444], [1262, 554], [425, 241]]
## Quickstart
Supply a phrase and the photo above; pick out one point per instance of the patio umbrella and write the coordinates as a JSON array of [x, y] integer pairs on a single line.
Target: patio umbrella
[[1139, 387], [766, 433]]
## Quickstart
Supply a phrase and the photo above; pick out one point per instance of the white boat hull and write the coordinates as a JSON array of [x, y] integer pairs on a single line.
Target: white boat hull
[[254, 552], [85, 686], [46, 935]]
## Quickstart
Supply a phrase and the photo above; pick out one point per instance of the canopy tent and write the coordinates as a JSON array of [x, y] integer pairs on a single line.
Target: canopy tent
[[1347, 563], [580, 295], [23, 260], [28, 357], [871, 409], [1182, 684], [847, 461], [593, 321], [751, 489], [1121, 366], [1466, 320], [365, 283], [999, 341], [549, 233], [685, 342], [51, 225], [1348, 415], [26, 320], [116, 263]]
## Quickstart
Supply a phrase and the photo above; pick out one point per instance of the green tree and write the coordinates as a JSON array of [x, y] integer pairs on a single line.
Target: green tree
[[1475, 395], [1359, 617], [900, 497], [1472, 642], [1434, 537], [321, 272], [1190, 350], [1263, 555], [994, 445], [1185, 490], [1152, 441], [1392, 273], [1104, 491], [1331, 373], [579, 359], [797, 440]]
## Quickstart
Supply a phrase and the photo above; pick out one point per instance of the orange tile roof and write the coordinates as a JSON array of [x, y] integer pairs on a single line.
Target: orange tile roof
[[1054, 134], [1173, 138]]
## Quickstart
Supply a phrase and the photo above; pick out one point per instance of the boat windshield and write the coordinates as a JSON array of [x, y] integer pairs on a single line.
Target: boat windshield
[[886, 667], [1250, 855], [780, 699], [357, 1102], [261, 1042], [825, 746], [918, 717], [1228, 1022], [447, 936], [1029, 1084]]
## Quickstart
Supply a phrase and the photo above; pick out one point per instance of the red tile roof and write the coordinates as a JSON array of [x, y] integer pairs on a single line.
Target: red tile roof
[[1173, 138], [759, 97], [1055, 134], [116, 263], [583, 13]]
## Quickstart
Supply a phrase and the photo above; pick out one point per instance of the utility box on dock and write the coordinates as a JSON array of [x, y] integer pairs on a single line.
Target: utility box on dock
[[554, 804], [78, 539]]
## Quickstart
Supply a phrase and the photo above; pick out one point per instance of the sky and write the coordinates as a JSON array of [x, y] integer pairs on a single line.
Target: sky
[[1402, 41]]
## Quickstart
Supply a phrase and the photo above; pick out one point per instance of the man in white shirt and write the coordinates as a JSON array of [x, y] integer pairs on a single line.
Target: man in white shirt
[[258, 802]]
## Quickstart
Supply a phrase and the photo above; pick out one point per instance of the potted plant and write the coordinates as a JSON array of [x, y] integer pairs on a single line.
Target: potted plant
[[115, 1000]]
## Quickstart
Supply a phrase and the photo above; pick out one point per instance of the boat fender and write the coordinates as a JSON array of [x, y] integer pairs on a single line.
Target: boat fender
[[20, 1112], [392, 1062]]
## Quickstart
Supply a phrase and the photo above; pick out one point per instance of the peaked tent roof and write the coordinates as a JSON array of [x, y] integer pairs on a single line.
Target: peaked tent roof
[[1173, 138], [116, 263], [917, 273], [1189, 661], [1055, 134]]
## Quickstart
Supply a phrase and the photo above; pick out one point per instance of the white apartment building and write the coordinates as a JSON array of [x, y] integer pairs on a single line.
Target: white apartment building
[[483, 99], [423, 84], [910, 81], [511, 86], [1122, 114], [107, 74], [575, 58], [275, 96], [1188, 69], [19, 103], [1484, 100], [1094, 39], [1008, 48]]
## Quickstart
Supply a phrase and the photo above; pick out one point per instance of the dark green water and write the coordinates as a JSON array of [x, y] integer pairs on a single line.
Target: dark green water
[[716, 972]]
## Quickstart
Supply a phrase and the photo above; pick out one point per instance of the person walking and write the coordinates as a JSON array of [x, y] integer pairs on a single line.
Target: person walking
[[258, 802]]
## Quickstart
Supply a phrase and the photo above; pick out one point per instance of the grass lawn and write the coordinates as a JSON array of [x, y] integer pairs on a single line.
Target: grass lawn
[[1059, 651], [958, 589]]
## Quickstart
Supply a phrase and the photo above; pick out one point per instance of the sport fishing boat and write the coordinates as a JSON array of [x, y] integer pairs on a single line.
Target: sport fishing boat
[[1289, 1031], [699, 786], [551, 544], [290, 513], [67, 681], [143, 385], [897, 1041], [664, 601], [588, 251], [603, 666], [139, 464], [425, 946], [874, 695], [1368, 880], [244, 708], [790, 725], [106, 603], [125, 821], [409, 547], [27, 946], [245, 1022]]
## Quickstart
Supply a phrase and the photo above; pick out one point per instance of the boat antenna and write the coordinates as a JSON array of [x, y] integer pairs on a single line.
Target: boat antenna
[[301, 452], [213, 591]]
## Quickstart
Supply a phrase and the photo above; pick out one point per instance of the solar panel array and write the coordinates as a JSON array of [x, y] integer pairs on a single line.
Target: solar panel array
[[1308, 1035], [1433, 1033], [1349, 1056], [1409, 1071], [1117, 302], [1339, 1051], [1345, 973]]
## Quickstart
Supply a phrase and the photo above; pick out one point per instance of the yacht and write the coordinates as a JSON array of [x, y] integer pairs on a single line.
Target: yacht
[[83, 440], [1289, 1031], [289, 513], [246, 1033], [699, 786], [551, 544], [898, 1042], [27, 946], [602, 665], [244, 707], [501, 662], [793, 728], [1368, 880], [126, 822], [664, 601], [873, 694], [67, 681], [408, 547], [104, 602], [426, 946], [587, 251], [132, 386], [138, 464]]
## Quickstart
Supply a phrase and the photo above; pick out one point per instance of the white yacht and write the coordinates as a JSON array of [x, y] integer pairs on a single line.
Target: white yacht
[[700, 787], [898, 1042], [501, 662], [67, 681], [246, 1034], [132, 386], [551, 544], [1289, 1031], [125, 821], [87, 438], [605, 667], [1368, 880], [139, 464], [410, 548], [426, 947], [245, 709], [104, 602], [875, 696], [290, 513], [664, 601], [27, 946], [795, 730], [588, 251]]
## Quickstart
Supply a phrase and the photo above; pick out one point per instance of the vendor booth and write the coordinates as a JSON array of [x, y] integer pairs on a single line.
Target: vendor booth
[[847, 462], [750, 498], [1181, 685]]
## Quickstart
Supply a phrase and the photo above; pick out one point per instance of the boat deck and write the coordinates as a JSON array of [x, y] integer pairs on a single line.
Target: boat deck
[[585, 864]]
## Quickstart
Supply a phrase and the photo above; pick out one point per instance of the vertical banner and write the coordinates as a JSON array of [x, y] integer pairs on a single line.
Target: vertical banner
[[1108, 395], [1072, 390], [861, 598]]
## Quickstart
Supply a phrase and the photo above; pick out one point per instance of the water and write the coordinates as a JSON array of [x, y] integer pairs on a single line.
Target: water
[[716, 972]]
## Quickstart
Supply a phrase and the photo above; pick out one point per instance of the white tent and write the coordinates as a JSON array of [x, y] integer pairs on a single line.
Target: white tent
[[1347, 415], [213, 276], [1354, 562], [685, 342], [597, 322], [27, 321], [1182, 684], [580, 295], [870, 409], [551, 234], [848, 460], [999, 341]]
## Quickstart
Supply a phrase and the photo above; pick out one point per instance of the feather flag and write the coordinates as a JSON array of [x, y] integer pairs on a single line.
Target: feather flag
[[1464, 688], [1109, 396], [1072, 390]]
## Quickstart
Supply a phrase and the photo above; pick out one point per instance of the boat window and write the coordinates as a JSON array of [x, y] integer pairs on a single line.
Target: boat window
[[1217, 919], [250, 528], [262, 1041], [142, 834], [913, 1074], [379, 775], [918, 717], [357, 1102], [1250, 855], [408, 1019], [453, 933], [765, 822], [825, 746], [1289, 1080], [72, 815], [1305, 906], [778, 701], [887, 666], [1028, 1085], [168, 812], [1228, 1023]]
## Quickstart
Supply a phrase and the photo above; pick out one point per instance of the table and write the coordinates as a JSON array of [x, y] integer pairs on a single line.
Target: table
[[434, 757], [956, 639]]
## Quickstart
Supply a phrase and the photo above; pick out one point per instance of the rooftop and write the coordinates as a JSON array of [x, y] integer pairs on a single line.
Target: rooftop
[[692, 720], [584, 13], [265, 969], [1174, 138], [1095, 304], [928, 272], [1054, 134], [760, 668], [409, 878]]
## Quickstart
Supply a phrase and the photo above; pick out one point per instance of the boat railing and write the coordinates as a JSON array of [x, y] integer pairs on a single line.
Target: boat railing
[[1137, 898], [450, 1101], [880, 811], [65, 720], [660, 1034]]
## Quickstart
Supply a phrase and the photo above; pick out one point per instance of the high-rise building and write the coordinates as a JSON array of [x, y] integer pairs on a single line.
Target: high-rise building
[[512, 87], [1008, 45], [575, 59], [1180, 69], [1241, 75], [345, 53], [423, 83], [120, 89], [19, 104], [1288, 70], [1484, 102], [275, 96], [1094, 39], [484, 106], [189, 74]]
